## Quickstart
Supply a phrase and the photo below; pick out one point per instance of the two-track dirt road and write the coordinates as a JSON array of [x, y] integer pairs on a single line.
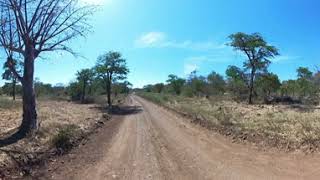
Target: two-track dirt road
[[148, 142]]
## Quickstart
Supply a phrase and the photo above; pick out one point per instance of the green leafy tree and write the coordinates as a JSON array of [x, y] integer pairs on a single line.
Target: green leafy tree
[[176, 83], [148, 88], [307, 87], [121, 88], [289, 88], [9, 76], [216, 83], [158, 88], [304, 73], [84, 77], [75, 90], [198, 84], [7, 89], [268, 83], [316, 79], [111, 67], [236, 81], [97, 87], [235, 73], [258, 52]]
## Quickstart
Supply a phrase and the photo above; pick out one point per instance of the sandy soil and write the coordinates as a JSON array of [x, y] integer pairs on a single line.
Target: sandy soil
[[151, 143], [53, 115]]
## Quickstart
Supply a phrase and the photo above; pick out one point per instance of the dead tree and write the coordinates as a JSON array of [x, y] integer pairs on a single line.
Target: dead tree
[[31, 27]]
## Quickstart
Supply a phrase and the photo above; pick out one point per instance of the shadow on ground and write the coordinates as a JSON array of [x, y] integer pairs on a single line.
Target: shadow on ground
[[120, 110], [26, 161], [125, 110], [9, 138]]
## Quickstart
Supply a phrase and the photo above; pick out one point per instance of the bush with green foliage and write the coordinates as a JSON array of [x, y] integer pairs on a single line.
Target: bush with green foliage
[[267, 84], [197, 84], [74, 91], [7, 89], [175, 84], [216, 83], [237, 83], [63, 141]]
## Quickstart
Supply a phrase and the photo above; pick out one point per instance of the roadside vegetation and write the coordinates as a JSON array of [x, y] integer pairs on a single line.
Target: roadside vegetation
[[66, 114], [40, 119], [248, 103]]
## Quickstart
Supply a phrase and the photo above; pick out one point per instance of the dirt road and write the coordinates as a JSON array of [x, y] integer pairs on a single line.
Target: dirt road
[[149, 142]]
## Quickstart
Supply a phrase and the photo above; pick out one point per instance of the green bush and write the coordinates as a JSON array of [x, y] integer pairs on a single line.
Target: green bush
[[155, 97], [63, 141]]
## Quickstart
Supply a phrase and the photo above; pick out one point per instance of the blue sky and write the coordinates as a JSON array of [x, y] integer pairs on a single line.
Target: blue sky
[[160, 37]]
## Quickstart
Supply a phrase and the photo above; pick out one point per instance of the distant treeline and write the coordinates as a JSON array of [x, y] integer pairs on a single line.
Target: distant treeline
[[253, 81], [107, 77], [41, 89], [235, 85]]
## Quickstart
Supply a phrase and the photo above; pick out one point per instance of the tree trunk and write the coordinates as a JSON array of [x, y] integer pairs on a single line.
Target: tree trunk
[[251, 85], [14, 81], [109, 93], [29, 122], [108, 86], [83, 96]]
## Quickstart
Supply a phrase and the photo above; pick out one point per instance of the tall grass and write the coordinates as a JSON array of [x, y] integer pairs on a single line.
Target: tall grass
[[7, 103]]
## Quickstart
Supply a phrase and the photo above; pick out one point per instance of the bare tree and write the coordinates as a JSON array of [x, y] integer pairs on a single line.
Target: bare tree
[[31, 27]]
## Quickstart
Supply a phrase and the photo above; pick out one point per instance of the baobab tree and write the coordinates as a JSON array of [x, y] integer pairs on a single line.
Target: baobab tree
[[258, 52], [31, 27]]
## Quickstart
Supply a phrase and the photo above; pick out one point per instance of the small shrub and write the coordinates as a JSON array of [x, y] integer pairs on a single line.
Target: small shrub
[[63, 141]]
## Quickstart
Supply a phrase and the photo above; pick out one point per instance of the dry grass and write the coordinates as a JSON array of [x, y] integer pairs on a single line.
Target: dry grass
[[53, 116], [284, 126]]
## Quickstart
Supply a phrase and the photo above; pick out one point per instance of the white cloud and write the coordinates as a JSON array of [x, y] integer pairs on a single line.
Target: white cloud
[[150, 39], [284, 58], [160, 40]]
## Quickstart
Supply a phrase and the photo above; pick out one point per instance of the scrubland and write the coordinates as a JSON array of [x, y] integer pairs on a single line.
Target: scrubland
[[288, 127]]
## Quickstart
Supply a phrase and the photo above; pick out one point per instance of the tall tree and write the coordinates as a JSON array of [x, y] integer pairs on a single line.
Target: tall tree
[[289, 88], [110, 68], [176, 83], [216, 83], [258, 52], [197, 84], [121, 88], [305, 83], [31, 27], [9, 76], [84, 77], [304, 73], [158, 88]]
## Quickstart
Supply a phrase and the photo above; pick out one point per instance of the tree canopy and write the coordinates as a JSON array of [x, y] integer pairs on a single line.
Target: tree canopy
[[258, 53], [111, 67]]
